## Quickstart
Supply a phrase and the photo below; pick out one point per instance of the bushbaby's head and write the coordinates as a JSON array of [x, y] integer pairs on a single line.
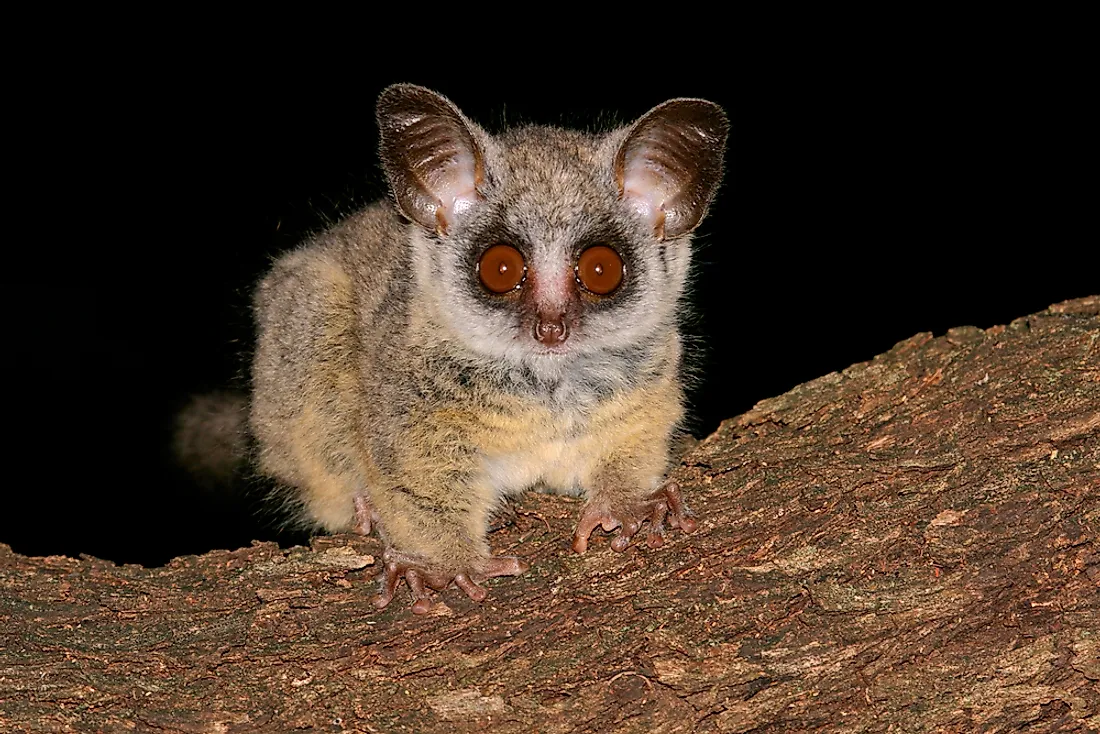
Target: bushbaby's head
[[542, 245]]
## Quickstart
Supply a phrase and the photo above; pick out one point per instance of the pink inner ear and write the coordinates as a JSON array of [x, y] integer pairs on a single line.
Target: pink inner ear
[[644, 188], [456, 186]]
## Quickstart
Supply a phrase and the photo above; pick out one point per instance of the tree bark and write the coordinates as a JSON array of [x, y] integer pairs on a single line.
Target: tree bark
[[909, 545]]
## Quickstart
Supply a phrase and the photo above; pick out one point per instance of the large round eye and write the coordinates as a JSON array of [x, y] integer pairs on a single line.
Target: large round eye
[[501, 268], [600, 270]]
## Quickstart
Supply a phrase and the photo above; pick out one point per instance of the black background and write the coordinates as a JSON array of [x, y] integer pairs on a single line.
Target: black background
[[871, 192]]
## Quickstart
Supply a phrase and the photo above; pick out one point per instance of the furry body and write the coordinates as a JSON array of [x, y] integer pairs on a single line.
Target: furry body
[[385, 372]]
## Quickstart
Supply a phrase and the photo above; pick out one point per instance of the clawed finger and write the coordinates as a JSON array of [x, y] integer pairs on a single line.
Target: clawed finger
[[503, 566], [655, 538], [366, 517], [679, 515], [422, 601], [588, 522], [666, 504], [472, 590], [390, 574], [622, 540], [420, 577]]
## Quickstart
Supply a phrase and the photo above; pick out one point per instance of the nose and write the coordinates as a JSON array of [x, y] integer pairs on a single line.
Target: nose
[[551, 330]]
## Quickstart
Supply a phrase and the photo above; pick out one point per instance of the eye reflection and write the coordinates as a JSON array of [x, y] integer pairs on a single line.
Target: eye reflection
[[501, 268], [599, 270]]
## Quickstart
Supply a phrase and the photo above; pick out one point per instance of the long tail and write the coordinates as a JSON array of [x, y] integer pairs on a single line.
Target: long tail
[[210, 441]]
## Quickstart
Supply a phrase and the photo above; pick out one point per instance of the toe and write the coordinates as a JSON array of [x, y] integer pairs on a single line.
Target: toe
[[472, 590], [589, 521], [622, 541], [504, 566]]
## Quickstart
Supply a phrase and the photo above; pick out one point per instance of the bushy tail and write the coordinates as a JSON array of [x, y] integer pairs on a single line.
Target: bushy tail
[[210, 440]]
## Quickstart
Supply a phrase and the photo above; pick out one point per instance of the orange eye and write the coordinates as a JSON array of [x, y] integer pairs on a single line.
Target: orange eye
[[600, 270], [501, 268]]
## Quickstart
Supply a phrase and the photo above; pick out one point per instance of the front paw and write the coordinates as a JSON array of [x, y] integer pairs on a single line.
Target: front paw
[[421, 575], [665, 503]]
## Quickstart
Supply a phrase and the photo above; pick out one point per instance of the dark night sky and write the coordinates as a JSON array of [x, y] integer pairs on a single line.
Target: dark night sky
[[865, 200]]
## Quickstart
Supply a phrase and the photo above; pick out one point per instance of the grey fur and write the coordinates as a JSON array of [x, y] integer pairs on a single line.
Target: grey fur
[[385, 371]]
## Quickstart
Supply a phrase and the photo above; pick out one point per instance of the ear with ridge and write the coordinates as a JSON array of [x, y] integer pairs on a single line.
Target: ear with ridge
[[669, 165], [430, 153]]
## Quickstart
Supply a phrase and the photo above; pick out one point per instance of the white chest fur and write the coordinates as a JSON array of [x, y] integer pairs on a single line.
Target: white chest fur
[[559, 465]]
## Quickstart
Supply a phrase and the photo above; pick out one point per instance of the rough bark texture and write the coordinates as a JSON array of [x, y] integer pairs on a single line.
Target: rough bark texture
[[910, 545]]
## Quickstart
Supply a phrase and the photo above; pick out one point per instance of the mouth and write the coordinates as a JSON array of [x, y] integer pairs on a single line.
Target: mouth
[[557, 350]]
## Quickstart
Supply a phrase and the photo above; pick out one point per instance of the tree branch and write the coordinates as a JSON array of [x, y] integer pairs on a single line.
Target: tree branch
[[909, 545]]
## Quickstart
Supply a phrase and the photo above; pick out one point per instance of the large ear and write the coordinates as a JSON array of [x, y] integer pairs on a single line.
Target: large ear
[[430, 154], [670, 162]]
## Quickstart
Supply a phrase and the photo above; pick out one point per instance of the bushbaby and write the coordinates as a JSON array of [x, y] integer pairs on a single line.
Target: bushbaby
[[509, 321]]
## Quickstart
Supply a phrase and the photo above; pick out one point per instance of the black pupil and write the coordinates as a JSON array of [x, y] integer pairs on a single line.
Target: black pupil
[[598, 268]]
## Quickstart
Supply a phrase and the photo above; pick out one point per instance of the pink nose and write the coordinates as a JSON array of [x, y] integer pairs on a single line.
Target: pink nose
[[551, 330]]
